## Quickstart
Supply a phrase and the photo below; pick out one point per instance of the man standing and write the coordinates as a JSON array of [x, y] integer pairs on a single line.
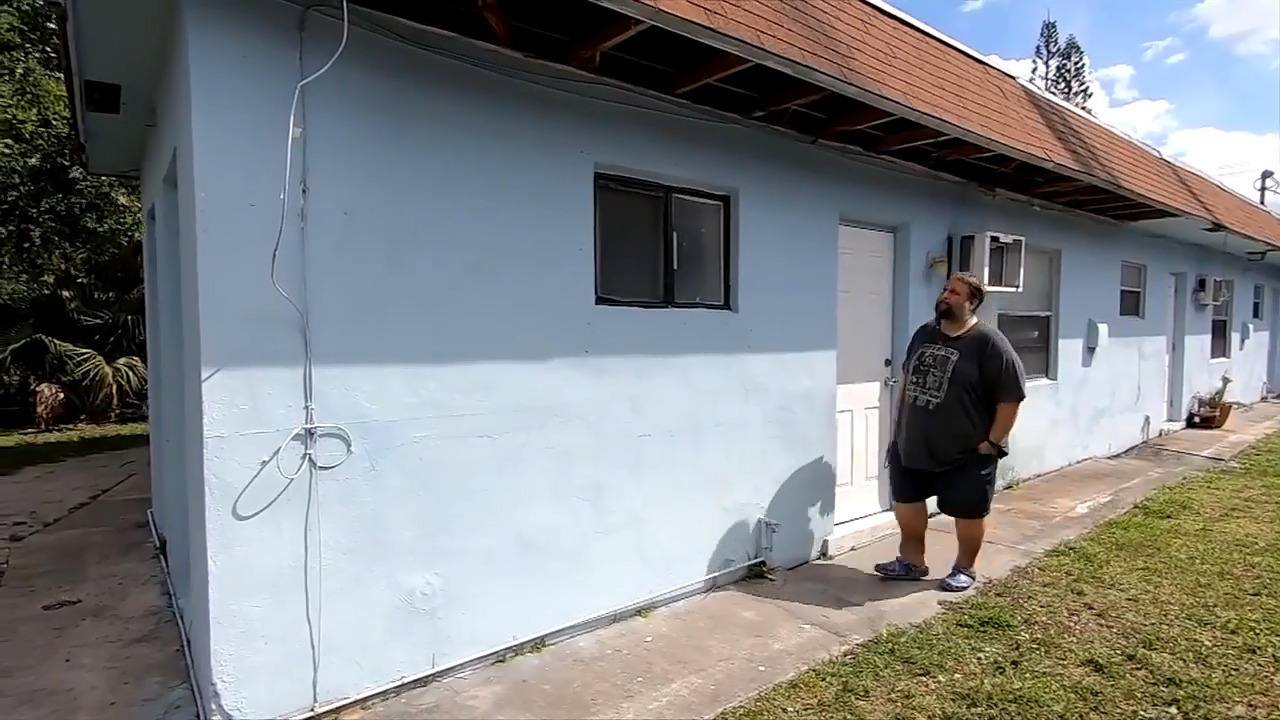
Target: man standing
[[962, 386]]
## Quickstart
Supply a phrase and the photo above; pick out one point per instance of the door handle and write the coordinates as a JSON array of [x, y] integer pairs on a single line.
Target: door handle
[[890, 381]]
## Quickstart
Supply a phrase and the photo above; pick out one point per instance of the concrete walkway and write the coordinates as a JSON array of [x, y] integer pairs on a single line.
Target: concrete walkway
[[85, 628], [697, 657]]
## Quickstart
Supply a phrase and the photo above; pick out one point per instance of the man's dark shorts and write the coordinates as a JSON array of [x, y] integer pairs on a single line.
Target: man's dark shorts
[[964, 492]]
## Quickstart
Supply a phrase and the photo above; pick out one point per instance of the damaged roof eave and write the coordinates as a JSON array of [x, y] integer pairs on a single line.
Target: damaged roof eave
[[721, 41], [112, 58], [62, 17]]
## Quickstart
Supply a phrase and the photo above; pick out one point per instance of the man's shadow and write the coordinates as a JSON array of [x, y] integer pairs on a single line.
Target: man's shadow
[[802, 509]]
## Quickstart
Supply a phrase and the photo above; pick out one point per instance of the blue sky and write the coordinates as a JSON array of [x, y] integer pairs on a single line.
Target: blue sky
[[1199, 79]]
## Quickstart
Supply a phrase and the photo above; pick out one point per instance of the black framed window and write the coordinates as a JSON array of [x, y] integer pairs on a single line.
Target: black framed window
[[1031, 336], [1027, 318], [660, 246]]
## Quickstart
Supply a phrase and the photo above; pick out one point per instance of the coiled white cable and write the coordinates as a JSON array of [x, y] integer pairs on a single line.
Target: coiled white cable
[[309, 431]]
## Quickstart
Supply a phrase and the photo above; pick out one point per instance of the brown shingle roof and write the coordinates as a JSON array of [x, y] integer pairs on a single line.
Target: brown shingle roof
[[871, 49]]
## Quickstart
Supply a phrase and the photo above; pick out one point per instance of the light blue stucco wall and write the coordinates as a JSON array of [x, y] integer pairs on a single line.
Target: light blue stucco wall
[[524, 458], [173, 342], [1099, 403]]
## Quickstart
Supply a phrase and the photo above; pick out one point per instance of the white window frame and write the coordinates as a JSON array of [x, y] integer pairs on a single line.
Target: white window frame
[[1140, 290], [1258, 311], [1220, 316], [1051, 344]]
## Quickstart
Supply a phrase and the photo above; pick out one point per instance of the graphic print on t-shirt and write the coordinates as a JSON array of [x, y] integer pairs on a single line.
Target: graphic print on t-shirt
[[930, 373]]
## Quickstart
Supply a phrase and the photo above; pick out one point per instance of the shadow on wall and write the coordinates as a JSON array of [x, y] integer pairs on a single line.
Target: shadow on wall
[[804, 501]]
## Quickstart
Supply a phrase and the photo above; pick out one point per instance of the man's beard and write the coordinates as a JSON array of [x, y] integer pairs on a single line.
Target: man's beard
[[943, 311]]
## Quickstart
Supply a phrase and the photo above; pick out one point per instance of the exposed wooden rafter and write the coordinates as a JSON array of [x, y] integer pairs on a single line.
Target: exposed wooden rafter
[[964, 152], [855, 120], [1115, 205], [585, 35], [799, 95], [497, 22], [1057, 186], [723, 66], [908, 138], [1090, 194], [586, 54], [1139, 214]]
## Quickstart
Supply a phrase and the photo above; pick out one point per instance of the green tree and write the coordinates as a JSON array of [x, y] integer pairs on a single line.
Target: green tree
[[1048, 50], [86, 335], [70, 283], [55, 219], [1061, 68], [1070, 79]]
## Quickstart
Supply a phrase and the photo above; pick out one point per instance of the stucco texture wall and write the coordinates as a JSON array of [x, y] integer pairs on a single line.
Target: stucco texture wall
[[524, 458], [1100, 402], [173, 350]]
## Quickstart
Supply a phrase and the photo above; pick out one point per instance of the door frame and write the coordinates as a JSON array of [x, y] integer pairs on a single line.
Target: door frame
[[1273, 338], [860, 526], [1176, 349]]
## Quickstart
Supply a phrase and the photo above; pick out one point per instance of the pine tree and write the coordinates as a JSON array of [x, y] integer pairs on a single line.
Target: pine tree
[[1070, 77], [1048, 52]]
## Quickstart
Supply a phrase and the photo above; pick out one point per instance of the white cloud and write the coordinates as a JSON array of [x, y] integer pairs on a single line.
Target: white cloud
[[1249, 27], [972, 5], [1175, 58], [1235, 158], [1120, 77], [1156, 48], [1147, 120], [1019, 67]]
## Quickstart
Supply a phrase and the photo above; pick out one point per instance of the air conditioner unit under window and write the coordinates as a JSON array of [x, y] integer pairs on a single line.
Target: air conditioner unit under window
[[996, 258], [1211, 290]]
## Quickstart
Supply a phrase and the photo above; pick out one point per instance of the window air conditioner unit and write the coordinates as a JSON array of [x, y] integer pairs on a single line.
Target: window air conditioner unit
[[996, 258], [1210, 290]]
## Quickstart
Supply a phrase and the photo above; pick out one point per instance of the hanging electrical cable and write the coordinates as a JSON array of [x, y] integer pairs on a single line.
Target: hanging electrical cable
[[310, 431]]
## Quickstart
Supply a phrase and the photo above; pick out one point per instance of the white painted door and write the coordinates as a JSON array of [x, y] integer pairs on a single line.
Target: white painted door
[[1176, 348], [1273, 343], [1171, 341], [864, 346]]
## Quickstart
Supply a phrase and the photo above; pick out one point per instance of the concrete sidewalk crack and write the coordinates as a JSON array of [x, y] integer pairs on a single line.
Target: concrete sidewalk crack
[[1008, 546], [824, 624], [19, 536], [1188, 453]]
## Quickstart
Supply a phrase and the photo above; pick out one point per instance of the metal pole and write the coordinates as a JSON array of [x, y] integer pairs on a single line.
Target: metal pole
[[1266, 181]]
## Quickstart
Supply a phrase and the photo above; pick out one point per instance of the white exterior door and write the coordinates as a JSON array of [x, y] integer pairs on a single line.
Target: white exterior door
[[1273, 343], [864, 346], [1171, 341], [1176, 352]]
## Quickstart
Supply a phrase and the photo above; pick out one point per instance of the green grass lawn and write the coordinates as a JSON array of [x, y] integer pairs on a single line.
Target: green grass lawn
[[1170, 611], [20, 448]]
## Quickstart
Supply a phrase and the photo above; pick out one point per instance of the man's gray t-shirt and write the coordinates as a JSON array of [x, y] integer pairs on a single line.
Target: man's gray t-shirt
[[952, 387]]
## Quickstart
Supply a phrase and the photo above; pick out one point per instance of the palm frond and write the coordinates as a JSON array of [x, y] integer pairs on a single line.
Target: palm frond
[[43, 358], [107, 384], [14, 335]]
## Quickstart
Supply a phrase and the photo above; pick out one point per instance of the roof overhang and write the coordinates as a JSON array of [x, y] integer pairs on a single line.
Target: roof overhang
[[633, 44], [113, 55]]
